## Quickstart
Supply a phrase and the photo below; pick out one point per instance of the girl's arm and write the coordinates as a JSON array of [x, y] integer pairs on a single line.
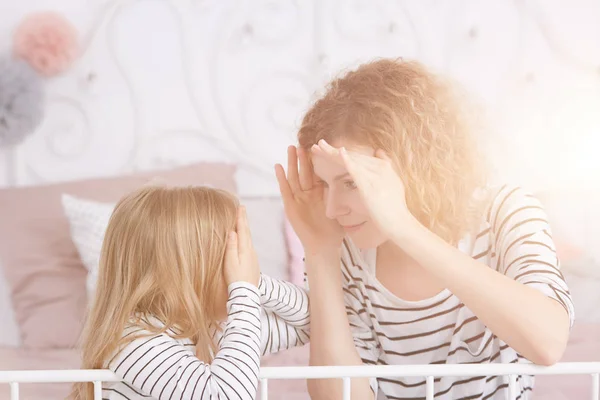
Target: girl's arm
[[524, 300], [286, 320], [161, 367]]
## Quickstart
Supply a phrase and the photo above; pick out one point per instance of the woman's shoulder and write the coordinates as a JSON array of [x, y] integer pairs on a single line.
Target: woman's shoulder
[[492, 206], [502, 200]]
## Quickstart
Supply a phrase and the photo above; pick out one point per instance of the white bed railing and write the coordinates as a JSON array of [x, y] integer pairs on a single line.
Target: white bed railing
[[14, 378]]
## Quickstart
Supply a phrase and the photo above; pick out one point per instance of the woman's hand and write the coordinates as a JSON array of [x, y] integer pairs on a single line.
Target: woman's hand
[[305, 206], [379, 184], [241, 261]]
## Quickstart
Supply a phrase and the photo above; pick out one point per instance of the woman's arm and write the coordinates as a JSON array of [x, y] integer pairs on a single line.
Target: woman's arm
[[165, 369], [286, 318], [530, 311], [331, 342], [525, 303]]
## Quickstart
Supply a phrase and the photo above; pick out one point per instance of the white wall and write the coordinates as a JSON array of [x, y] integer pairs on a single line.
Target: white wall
[[164, 82]]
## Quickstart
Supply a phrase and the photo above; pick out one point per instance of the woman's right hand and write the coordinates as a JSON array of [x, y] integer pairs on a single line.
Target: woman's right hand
[[304, 205], [241, 261]]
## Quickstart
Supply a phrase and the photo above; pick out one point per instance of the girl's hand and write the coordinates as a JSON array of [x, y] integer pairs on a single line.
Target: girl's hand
[[305, 206], [241, 261], [379, 184]]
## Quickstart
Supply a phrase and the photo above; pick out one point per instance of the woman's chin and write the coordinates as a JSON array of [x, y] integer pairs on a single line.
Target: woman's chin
[[367, 238]]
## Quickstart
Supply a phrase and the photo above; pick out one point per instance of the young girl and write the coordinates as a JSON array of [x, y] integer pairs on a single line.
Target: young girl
[[438, 267], [177, 312]]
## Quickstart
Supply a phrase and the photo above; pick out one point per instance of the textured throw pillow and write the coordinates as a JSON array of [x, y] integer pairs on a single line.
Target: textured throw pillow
[[88, 220], [296, 255], [43, 270]]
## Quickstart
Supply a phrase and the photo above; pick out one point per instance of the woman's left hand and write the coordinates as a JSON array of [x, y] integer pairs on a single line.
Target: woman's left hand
[[379, 184]]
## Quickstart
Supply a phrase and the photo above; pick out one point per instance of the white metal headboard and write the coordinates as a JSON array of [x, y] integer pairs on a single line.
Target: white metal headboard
[[164, 82], [337, 372], [154, 88]]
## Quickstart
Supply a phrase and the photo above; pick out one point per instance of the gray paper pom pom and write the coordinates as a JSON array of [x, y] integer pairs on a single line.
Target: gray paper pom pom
[[21, 101]]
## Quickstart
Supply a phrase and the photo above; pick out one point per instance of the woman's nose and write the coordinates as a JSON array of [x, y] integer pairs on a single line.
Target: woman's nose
[[334, 207]]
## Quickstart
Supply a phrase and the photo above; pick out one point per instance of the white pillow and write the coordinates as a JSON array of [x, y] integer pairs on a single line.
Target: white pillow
[[88, 220]]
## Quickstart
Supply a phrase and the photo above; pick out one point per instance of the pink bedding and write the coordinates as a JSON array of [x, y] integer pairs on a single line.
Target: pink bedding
[[584, 345], [18, 359]]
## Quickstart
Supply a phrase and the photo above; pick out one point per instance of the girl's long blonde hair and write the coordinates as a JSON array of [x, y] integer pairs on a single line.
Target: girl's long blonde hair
[[423, 125], [162, 257]]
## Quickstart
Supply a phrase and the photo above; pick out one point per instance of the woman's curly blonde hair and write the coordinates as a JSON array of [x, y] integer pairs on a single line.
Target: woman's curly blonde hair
[[417, 118]]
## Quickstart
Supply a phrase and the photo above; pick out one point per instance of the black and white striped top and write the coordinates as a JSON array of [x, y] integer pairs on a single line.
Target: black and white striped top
[[161, 367], [515, 239]]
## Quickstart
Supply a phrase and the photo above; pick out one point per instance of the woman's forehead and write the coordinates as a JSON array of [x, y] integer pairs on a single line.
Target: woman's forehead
[[327, 169]]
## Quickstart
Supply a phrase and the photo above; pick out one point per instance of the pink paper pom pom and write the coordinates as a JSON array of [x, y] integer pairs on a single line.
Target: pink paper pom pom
[[47, 41]]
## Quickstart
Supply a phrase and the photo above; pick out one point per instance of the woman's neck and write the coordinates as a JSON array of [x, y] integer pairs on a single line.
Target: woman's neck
[[403, 276], [389, 251]]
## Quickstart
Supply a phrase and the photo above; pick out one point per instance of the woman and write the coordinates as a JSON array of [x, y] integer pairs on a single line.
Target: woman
[[437, 267]]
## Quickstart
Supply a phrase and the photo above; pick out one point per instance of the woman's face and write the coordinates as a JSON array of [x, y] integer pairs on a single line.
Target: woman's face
[[343, 200]]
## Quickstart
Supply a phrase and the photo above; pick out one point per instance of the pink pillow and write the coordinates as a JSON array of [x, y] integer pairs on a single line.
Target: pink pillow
[[44, 272], [296, 255]]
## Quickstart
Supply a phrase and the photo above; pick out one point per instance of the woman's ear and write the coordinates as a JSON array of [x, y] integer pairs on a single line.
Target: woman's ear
[[379, 153]]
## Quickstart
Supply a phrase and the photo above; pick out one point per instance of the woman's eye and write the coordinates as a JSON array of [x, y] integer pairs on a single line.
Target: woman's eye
[[350, 185]]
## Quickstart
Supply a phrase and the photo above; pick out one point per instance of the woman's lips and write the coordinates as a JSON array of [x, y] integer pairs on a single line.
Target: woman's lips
[[353, 228]]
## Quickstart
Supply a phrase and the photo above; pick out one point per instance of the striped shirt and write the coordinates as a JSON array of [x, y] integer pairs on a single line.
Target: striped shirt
[[157, 366], [515, 239]]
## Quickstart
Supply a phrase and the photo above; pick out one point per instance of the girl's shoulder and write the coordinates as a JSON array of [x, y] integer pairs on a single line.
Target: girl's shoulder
[[147, 325]]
